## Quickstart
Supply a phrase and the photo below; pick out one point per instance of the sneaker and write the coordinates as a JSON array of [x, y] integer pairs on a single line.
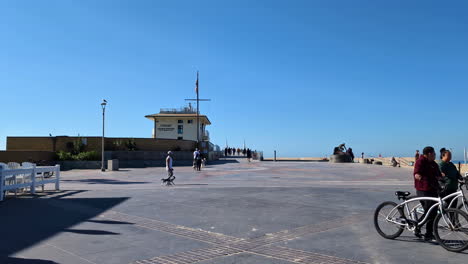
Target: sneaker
[[417, 233], [429, 238]]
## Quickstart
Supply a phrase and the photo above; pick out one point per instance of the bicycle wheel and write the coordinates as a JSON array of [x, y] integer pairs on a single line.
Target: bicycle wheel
[[452, 239], [462, 207], [383, 226]]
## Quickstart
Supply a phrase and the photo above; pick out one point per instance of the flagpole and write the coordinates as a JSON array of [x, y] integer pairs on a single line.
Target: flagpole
[[198, 114]]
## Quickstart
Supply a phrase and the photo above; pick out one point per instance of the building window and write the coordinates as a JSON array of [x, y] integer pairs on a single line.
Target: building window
[[180, 121], [190, 121], [180, 129], [180, 138]]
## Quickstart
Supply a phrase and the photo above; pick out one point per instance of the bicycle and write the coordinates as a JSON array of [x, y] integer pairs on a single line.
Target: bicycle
[[450, 199], [448, 221]]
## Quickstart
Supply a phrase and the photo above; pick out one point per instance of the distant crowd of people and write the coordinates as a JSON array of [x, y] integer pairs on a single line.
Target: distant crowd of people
[[240, 152]]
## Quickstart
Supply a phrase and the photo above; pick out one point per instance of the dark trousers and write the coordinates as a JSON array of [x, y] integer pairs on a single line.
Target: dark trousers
[[427, 205], [198, 164]]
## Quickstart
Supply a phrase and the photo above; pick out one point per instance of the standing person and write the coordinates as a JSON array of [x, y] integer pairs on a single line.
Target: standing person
[[196, 153], [238, 151], [416, 156], [244, 151], [169, 169], [450, 174], [426, 175], [362, 155], [249, 154], [199, 161], [225, 152], [350, 153]]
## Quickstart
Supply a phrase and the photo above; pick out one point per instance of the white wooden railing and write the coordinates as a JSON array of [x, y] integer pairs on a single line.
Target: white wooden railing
[[28, 178]]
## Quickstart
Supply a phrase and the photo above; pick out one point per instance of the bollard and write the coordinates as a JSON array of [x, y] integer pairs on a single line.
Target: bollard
[[57, 175], [274, 159], [33, 180]]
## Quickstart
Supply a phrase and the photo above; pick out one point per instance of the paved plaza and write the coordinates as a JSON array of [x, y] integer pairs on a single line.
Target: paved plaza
[[231, 212]]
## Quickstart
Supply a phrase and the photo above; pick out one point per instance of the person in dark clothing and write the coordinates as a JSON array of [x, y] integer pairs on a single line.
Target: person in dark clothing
[[198, 161], [395, 162], [225, 152], [416, 157], [426, 176], [450, 174], [249, 154], [350, 153]]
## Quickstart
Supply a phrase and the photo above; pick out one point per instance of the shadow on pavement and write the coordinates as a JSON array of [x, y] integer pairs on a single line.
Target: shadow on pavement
[[26, 222], [8, 260], [90, 232], [104, 181]]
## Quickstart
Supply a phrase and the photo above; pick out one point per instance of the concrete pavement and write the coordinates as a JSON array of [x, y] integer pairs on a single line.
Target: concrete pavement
[[231, 212]]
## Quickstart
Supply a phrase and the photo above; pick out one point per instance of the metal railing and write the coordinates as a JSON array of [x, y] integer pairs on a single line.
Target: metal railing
[[184, 110]]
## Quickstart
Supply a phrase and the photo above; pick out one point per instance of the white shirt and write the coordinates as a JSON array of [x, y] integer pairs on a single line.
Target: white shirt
[[169, 163], [195, 154]]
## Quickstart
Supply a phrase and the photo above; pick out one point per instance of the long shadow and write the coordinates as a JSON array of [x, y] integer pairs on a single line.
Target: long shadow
[[89, 232], [27, 222], [104, 181], [9, 260]]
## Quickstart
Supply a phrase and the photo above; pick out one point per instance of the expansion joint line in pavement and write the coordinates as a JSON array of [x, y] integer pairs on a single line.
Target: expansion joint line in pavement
[[224, 245]]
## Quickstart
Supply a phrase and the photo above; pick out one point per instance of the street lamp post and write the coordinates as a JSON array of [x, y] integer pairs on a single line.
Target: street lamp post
[[103, 105]]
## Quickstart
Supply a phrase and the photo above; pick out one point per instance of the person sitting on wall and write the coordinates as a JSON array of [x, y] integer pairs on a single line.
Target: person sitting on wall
[[395, 162]]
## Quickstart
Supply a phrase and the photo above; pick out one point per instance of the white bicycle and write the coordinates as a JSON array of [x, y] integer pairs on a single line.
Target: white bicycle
[[450, 224]]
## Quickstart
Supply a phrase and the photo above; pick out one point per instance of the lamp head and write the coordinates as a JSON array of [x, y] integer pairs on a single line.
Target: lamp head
[[104, 103]]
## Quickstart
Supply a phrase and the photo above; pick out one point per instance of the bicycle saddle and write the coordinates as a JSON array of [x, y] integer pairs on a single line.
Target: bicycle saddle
[[402, 195]]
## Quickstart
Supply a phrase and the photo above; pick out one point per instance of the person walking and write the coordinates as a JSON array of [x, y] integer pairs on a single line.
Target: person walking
[[199, 161], [450, 174], [169, 169], [249, 154], [426, 176], [196, 153]]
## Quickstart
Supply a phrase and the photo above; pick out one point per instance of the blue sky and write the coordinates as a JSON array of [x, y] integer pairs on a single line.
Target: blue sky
[[297, 76]]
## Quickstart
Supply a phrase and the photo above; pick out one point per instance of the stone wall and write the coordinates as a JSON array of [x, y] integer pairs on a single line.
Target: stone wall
[[30, 156], [62, 143]]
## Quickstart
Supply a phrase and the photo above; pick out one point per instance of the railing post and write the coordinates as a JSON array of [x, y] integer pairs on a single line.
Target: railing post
[[33, 180], [57, 176], [2, 182]]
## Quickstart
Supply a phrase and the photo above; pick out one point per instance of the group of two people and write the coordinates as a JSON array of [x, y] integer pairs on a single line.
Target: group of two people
[[197, 160], [432, 179]]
